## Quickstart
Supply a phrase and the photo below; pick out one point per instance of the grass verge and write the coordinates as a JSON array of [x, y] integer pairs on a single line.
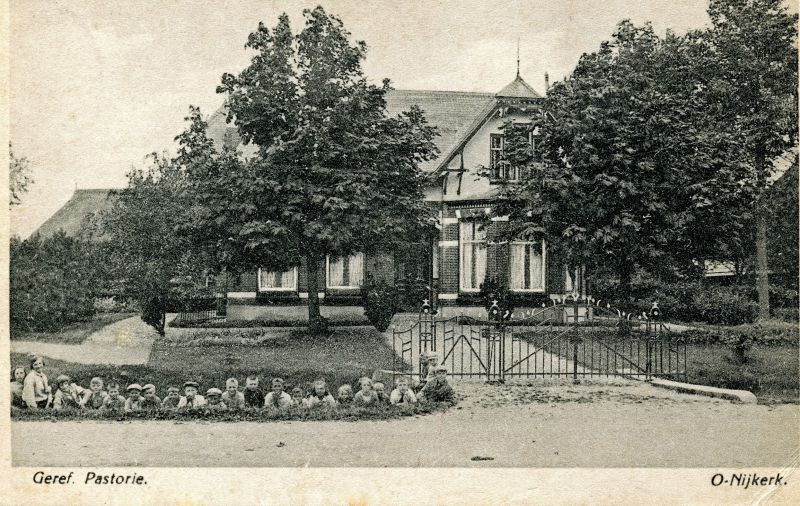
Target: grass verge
[[73, 333]]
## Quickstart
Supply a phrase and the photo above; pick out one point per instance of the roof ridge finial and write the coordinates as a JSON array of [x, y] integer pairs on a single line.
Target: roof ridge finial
[[517, 57]]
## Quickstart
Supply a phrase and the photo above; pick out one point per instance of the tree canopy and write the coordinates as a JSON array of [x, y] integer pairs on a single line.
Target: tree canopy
[[645, 160], [19, 177], [334, 174]]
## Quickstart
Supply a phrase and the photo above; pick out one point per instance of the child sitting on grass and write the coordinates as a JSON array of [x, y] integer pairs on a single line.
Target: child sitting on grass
[[191, 399], [214, 400], [151, 401], [172, 399], [431, 361], [134, 400], [403, 394], [380, 391], [253, 395], [437, 389], [114, 402], [297, 396], [277, 399], [345, 395], [232, 397], [366, 396], [320, 396], [95, 396], [17, 383], [68, 395]]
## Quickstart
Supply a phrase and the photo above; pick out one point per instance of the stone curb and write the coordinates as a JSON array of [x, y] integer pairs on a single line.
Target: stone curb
[[736, 396]]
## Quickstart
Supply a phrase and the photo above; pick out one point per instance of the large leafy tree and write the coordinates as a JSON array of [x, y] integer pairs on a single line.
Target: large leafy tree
[[333, 175], [754, 72], [628, 167], [139, 239]]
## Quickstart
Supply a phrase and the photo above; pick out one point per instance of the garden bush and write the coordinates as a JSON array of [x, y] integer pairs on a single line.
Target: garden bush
[[380, 302], [52, 282]]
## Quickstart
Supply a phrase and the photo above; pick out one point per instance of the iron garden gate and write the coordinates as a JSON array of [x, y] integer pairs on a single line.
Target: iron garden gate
[[577, 338]]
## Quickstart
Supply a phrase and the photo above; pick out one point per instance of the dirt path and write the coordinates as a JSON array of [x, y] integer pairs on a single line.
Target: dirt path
[[614, 424], [126, 342]]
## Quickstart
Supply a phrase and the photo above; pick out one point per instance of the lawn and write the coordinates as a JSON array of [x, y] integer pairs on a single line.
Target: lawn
[[342, 357], [73, 333]]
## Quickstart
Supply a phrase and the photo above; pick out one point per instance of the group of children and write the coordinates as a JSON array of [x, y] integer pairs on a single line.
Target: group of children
[[99, 396]]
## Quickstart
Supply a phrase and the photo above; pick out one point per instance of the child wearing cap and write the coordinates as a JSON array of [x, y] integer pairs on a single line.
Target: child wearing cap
[[68, 395], [278, 399], [114, 401], [232, 397], [437, 389], [253, 395], [345, 395], [151, 401], [172, 399], [95, 396], [191, 399], [214, 400], [428, 367], [134, 400], [366, 396], [403, 394]]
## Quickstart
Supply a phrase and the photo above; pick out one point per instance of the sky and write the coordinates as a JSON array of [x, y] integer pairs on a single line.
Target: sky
[[96, 86]]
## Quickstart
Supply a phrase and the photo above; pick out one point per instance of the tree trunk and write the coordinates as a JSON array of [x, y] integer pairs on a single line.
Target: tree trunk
[[625, 274], [762, 264], [316, 324]]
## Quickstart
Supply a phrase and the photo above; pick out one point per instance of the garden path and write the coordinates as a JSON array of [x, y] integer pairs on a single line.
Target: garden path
[[126, 342]]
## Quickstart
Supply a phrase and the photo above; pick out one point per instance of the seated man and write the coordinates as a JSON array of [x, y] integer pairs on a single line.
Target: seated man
[[438, 389]]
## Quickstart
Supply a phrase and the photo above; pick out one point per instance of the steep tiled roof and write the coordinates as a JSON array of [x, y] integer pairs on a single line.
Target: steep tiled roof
[[453, 113], [71, 216]]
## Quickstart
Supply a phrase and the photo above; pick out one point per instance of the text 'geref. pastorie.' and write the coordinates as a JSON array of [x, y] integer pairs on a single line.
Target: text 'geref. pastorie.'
[[91, 478]]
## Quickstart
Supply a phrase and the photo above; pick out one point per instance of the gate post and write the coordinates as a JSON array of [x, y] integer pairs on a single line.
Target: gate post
[[575, 344]]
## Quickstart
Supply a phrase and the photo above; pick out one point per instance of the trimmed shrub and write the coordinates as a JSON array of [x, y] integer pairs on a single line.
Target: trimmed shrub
[[380, 302]]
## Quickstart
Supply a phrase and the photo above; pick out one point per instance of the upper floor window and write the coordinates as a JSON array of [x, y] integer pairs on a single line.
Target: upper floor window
[[499, 166]]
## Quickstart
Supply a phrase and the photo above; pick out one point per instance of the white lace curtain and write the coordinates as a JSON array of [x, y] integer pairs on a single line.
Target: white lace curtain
[[473, 255], [346, 271], [526, 266]]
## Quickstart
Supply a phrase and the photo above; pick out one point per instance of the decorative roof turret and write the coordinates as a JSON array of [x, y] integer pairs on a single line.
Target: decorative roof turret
[[518, 88]]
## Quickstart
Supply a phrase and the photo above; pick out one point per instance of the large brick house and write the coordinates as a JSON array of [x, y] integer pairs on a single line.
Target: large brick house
[[462, 254]]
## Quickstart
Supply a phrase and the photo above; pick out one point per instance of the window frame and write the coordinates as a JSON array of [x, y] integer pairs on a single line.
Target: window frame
[[543, 289], [293, 288], [344, 287], [461, 245]]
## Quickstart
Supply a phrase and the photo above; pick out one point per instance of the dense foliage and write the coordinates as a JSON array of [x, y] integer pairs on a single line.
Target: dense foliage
[[380, 301], [653, 151], [334, 174], [19, 177], [52, 282], [151, 262]]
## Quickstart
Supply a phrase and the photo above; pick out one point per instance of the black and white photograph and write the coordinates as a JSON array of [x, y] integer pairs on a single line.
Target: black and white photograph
[[436, 243]]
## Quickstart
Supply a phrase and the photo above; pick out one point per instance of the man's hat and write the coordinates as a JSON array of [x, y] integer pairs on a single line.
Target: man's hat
[[134, 386], [191, 384], [277, 381], [214, 391], [149, 386]]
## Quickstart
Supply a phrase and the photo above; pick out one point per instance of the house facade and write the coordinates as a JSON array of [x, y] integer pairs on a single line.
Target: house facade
[[462, 254]]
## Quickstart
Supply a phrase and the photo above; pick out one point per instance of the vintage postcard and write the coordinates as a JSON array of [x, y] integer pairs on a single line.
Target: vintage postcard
[[340, 252]]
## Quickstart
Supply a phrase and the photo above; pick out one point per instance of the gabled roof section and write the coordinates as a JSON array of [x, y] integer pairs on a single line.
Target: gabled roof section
[[70, 218], [453, 113], [518, 88]]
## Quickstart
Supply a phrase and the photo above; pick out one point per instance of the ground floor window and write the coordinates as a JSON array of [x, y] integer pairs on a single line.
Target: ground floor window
[[526, 266], [346, 272], [571, 280], [277, 281], [472, 245]]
